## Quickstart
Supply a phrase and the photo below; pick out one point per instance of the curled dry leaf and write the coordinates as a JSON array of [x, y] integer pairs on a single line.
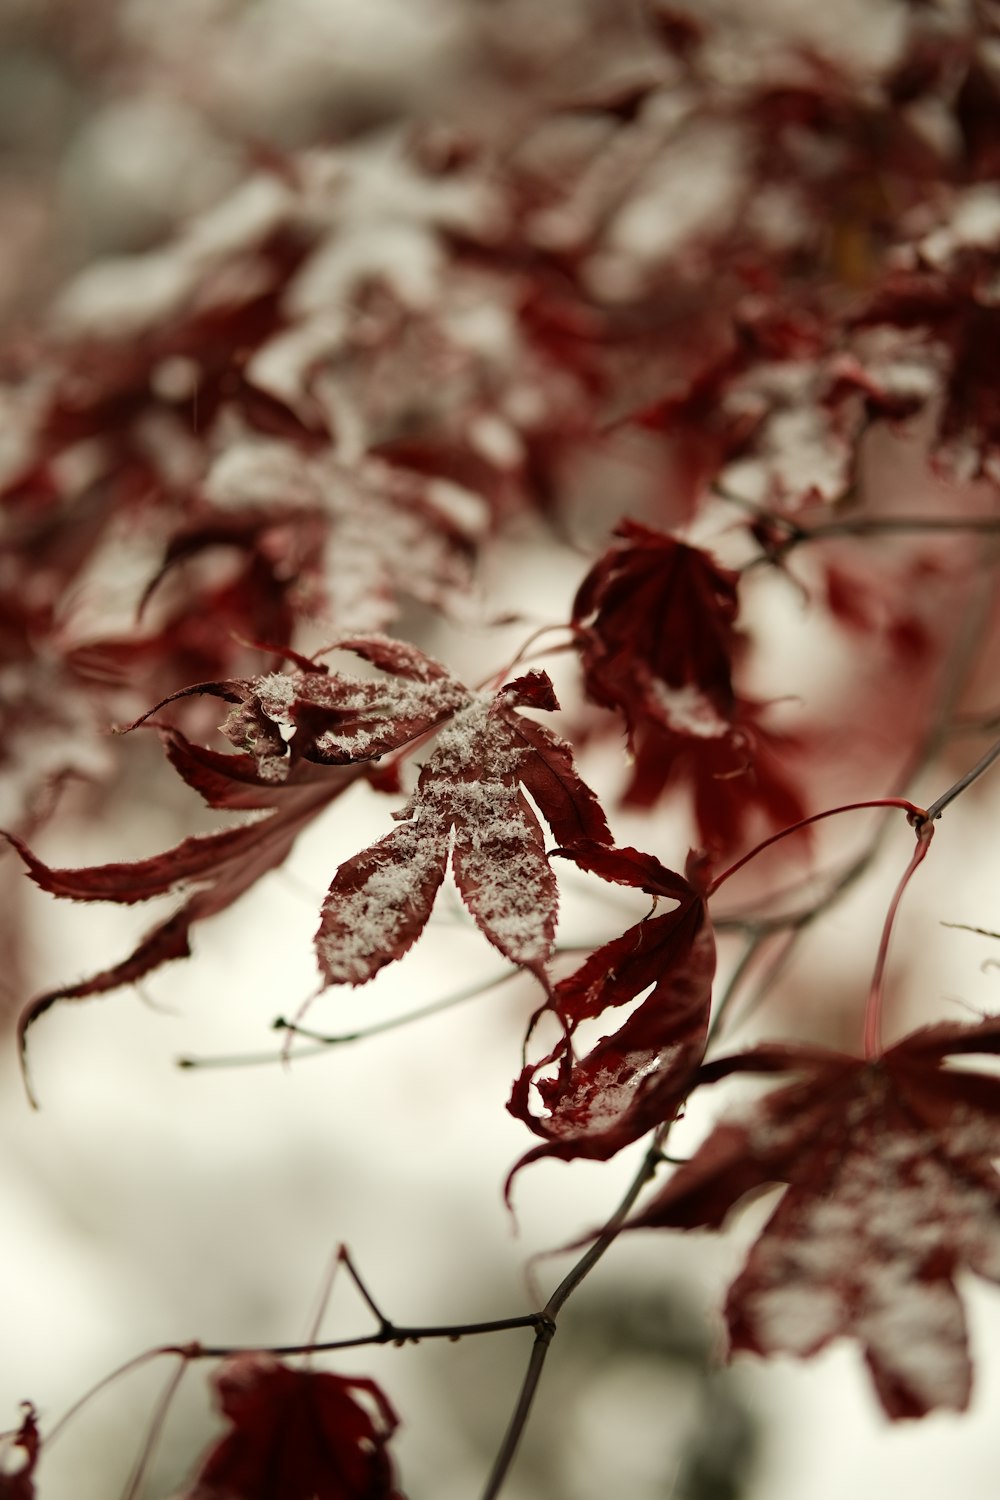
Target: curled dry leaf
[[297, 1435], [637, 1076], [891, 1192]]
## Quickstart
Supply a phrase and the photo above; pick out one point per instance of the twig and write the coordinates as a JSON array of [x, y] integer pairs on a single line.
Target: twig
[[957, 788]]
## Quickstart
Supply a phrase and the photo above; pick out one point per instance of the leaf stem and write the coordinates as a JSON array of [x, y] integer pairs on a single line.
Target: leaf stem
[[873, 1008], [908, 807]]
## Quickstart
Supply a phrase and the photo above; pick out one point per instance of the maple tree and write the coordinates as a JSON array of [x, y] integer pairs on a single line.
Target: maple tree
[[669, 314]]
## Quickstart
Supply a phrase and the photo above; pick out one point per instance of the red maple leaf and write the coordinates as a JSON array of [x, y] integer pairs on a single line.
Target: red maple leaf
[[468, 807], [637, 1076], [656, 611], [18, 1484], [297, 1435], [891, 1191]]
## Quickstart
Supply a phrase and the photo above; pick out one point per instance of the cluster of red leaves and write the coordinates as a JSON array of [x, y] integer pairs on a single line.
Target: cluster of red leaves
[[297, 1435]]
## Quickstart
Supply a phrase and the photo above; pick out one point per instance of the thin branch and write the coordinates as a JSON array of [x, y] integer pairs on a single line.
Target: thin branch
[[522, 1410], [324, 1042], [900, 525], [964, 927], [154, 1431], [754, 940], [344, 1259], [797, 535], [390, 1333], [546, 1329]]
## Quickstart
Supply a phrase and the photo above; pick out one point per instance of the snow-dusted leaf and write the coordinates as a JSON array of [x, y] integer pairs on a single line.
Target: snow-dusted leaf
[[297, 1435], [635, 1077], [379, 902], [468, 797], [332, 718], [891, 1193]]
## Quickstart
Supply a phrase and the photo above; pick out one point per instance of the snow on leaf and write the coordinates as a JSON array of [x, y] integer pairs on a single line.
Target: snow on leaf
[[636, 1077], [890, 1193], [297, 1435], [467, 793], [330, 718], [379, 902]]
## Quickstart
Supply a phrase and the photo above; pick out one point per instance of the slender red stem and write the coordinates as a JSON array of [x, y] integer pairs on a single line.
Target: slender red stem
[[916, 813], [873, 1009]]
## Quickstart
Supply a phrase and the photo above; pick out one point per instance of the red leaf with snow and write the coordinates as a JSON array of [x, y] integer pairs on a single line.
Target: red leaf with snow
[[297, 1435], [334, 718], [469, 793], [636, 1077], [891, 1192], [16, 1482]]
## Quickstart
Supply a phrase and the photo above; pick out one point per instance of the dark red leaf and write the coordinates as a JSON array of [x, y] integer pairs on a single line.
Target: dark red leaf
[[546, 768], [297, 1435], [891, 1192], [655, 616], [655, 622]]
